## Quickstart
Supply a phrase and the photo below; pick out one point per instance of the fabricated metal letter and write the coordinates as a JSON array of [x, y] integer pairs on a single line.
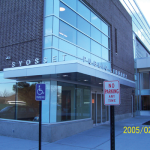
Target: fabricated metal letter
[[54, 59], [45, 60], [64, 57], [20, 62], [36, 60], [28, 62], [13, 64]]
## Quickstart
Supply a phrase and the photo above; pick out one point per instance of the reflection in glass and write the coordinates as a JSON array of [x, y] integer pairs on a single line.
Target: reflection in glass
[[96, 48], [95, 21], [73, 102], [47, 41], [83, 25], [48, 7], [105, 28], [84, 11], [83, 41], [94, 108], [48, 26], [7, 100], [105, 40], [71, 3], [30, 108], [105, 53], [67, 47], [96, 34], [81, 53], [67, 14], [67, 32]]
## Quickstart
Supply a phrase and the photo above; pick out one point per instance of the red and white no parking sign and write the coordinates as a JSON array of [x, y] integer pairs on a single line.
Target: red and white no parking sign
[[111, 92]]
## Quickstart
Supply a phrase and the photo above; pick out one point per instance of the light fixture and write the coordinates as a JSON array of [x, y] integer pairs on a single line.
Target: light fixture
[[65, 75], [62, 9], [100, 83], [85, 80]]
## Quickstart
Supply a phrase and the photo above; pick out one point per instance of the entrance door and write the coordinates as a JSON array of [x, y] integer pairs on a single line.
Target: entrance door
[[100, 112]]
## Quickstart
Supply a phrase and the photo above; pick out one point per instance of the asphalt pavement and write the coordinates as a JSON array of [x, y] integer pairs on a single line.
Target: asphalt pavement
[[130, 134]]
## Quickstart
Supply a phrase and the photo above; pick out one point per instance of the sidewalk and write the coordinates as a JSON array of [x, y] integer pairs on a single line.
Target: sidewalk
[[97, 138]]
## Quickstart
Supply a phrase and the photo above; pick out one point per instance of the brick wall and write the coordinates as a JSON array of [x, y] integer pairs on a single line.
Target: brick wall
[[21, 31]]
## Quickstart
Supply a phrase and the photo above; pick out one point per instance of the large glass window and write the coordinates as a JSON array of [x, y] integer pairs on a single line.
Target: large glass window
[[48, 7], [84, 11], [95, 21], [73, 102], [27, 108], [96, 34], [71, 3], [67, 32], [105, 40], [67, 47], [67, 14], [7, 100], [96, 48], [105, 53], [83, 41], [83, 25], [145, 80], [48, 25], [105, 28]]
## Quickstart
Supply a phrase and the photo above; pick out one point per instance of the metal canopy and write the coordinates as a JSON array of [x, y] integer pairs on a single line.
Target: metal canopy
[[68, 70]]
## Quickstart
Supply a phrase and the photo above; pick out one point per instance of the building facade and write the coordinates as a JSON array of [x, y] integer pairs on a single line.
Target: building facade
[[72, 47], [141, 42]]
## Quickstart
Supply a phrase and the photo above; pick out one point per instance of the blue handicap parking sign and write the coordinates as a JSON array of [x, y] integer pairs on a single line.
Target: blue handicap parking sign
[[40, 92]]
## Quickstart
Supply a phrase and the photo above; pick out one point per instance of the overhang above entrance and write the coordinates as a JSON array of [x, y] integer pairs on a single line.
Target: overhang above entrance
[[77, 69]]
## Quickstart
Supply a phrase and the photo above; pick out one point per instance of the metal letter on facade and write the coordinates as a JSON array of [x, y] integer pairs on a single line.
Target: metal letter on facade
[[13, 64], [45, 60], [36, 60], [28, 62], [20, 62], [54, 58], [64, 57]]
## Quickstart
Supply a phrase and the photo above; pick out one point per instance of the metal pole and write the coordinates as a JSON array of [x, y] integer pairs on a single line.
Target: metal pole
[[40, 118], [112, 128]]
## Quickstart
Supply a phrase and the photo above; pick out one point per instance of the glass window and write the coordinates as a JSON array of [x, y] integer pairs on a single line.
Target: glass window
[[105, 54], [65, 57], [83, 102], [84, 11], [55, 42], [106, 64], [145, 79], [105, 40], [56, 26], [67, 32], [67, 47], [27, 108], [56, 7], [83, 41], [96, 48], [73, 102], [96, 59], [7, 100], [96, 34], [82, 53], [67, 14], [48, 7], [47, 55], [105, 28], [71, 3], [47, 41], [95, 21], [48, 25], [83, 25]]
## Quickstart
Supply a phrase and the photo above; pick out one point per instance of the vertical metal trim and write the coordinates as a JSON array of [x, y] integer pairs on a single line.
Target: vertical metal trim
[[101, 107], [95, 108]]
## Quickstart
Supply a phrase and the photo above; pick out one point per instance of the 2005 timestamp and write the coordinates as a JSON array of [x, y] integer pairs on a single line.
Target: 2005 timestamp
[[137, 129]]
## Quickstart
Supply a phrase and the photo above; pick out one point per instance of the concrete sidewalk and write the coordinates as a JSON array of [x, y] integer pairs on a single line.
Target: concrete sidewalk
[[97, 138]]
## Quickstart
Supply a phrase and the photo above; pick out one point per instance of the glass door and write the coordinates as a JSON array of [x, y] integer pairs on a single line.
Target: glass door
[[100, 112]]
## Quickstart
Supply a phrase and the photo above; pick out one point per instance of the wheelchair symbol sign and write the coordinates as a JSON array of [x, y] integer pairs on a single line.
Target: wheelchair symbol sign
[[40, 92]]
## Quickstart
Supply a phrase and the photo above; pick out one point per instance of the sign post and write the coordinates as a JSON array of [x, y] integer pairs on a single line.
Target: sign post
[[111, 98], [39, 96]]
